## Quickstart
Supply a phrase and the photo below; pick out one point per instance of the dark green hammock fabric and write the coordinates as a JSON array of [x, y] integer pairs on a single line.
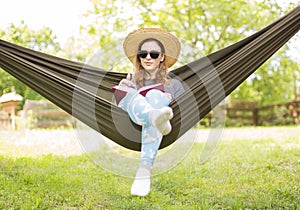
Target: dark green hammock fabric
[[85, 91]]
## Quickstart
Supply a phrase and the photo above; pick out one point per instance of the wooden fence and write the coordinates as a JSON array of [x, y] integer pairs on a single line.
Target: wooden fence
[[44, 114], [243, 113], [279, 114]]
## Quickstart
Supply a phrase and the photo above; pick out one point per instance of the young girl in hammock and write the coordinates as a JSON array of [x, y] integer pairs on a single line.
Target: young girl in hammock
[[152, 51]]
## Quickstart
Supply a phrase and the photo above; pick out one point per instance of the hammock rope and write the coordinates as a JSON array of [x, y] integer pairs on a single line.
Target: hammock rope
[[85, 91]]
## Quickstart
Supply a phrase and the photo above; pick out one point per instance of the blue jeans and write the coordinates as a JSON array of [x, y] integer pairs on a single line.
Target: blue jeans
[[139, 109]]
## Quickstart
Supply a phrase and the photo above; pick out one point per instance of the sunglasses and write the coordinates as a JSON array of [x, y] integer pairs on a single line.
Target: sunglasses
[[153, 54]]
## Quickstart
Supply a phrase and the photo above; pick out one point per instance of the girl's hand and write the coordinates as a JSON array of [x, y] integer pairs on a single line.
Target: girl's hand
[[127, 82], [169, 96]]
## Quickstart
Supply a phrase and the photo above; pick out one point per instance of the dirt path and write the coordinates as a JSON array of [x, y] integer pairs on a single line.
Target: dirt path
[[38, 142], [275, 133], [66, 143]]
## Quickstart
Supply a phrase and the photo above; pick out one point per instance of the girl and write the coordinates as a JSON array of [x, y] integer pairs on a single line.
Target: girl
[[152, 51]]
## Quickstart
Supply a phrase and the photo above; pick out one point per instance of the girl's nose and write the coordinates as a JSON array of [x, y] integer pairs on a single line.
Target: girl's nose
[[148, 56]]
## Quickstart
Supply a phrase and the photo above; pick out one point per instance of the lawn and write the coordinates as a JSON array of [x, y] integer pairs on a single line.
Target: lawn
[[242, 174]]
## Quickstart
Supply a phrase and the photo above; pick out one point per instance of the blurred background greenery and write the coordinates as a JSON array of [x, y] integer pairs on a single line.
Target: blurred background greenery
[[203, 27]]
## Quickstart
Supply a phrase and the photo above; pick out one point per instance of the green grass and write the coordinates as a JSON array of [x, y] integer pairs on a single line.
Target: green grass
[[242, 174]]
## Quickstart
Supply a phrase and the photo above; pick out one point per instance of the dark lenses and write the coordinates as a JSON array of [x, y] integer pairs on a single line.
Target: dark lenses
[[144, 54]]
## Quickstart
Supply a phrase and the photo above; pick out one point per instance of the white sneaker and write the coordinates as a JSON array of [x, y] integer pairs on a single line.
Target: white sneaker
[[160, 118], [141, 184]]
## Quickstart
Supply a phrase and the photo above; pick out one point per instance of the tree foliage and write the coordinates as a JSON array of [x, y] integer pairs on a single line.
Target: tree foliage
[[203, 27], [41, 40]]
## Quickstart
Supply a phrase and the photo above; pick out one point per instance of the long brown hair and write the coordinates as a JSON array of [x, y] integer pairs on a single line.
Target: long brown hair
[[141, 74]]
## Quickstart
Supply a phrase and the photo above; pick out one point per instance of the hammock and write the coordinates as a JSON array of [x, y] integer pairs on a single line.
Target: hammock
[[85, 91]]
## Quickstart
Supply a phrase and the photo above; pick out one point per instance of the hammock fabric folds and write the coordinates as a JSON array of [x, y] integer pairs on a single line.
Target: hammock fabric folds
[[85, 91]]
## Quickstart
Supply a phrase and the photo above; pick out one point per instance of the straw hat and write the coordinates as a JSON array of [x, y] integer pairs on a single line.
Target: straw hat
[[169, 41]]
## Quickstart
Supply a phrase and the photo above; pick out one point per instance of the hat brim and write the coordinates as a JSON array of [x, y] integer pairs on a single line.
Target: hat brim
[[169, 41]]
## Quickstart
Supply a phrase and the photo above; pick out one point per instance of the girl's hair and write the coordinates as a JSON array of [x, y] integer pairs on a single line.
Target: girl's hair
[[141, 74]]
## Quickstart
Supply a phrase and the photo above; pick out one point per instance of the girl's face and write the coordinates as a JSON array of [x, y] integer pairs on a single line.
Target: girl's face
[[149, 63]]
